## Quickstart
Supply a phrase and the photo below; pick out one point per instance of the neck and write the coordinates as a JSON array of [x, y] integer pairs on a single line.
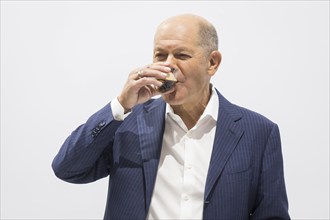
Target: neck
[[191, 112]]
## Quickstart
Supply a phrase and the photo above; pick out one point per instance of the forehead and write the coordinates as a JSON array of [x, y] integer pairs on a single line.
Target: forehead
[[176, 35]]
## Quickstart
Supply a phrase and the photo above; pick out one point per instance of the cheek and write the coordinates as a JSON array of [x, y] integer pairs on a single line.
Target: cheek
[[193, 81], [192, 76], [192, 71]]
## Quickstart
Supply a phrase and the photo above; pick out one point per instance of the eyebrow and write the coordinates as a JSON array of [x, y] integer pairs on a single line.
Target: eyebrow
[[179, 49]]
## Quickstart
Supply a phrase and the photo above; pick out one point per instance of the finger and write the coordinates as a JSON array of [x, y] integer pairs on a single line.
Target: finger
[[139, 74], [146, 81], [136, 75], [160, 66], [153, 72], [152, 89]]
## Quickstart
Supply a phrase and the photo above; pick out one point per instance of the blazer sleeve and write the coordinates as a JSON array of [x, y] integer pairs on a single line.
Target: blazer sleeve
[[272, 202], [86, 154]]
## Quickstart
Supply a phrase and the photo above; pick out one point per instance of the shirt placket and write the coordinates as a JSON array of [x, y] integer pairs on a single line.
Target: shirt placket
[[188, 180]]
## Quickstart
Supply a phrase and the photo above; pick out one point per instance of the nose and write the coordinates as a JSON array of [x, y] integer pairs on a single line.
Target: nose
[[172, 62], [170, 59]]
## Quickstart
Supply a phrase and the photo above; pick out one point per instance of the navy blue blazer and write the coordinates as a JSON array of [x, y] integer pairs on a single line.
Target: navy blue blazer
[[245, 178]]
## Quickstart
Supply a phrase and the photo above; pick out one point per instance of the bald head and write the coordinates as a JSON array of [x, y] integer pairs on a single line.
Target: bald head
[[207, 36]]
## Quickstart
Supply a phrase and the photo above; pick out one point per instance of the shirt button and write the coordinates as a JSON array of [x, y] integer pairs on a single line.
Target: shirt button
[[186, 198], [189, 167]]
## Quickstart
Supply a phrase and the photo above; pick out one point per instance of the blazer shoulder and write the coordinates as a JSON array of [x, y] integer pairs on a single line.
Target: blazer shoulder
[[255, 124], [243, 114], [255, 117]]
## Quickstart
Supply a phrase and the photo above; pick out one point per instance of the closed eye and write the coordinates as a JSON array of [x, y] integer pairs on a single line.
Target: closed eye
[[182, 56], [160, 56]]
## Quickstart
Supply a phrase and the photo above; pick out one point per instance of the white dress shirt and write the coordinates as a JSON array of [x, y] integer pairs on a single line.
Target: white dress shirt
[[184, 162], [118, 110]]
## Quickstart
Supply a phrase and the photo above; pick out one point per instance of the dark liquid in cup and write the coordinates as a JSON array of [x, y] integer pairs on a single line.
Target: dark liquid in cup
[[167, 85]]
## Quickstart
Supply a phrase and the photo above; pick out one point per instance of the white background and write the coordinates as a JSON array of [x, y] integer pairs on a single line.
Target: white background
[[61, 61]]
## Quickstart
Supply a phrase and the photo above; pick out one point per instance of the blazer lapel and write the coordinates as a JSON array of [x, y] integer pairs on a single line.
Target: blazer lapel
[[150, 129], [228, 134]]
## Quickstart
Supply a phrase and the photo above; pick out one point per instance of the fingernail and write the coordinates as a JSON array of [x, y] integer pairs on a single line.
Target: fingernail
[[167, 69]]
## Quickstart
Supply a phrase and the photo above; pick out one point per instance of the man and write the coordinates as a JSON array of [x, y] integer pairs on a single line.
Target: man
[[190, 154]]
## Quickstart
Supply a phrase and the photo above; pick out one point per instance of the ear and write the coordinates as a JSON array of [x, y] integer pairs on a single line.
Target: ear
[[214, 62]]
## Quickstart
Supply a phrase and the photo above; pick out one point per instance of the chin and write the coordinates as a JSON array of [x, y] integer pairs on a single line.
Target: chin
[[172, 98]]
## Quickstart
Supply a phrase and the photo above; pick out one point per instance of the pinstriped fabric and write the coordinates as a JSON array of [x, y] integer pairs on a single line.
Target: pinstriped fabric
[[245, 178], [150, 143], [81, 159], [243, 190]]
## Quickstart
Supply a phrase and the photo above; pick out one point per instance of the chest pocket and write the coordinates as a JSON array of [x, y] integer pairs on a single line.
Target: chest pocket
[[239, 161]]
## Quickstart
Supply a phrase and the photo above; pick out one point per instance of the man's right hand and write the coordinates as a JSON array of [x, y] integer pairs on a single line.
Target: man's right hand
[[142, 84]]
